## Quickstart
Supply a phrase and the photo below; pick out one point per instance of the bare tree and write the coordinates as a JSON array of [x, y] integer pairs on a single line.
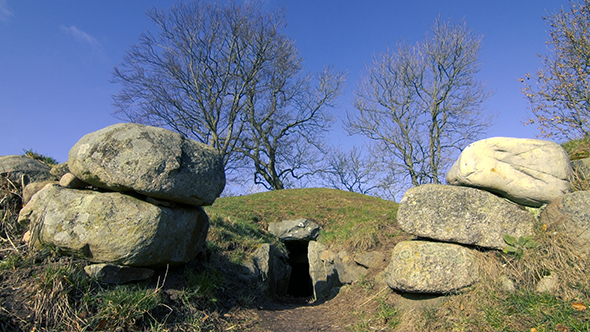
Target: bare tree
[[560, 95], [353, 171], [193, 75], [286, 120], [225, 75], [421, 104]]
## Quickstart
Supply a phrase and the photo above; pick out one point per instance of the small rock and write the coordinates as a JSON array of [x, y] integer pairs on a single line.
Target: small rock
[[347, 270], [506, 284], [370, 259], [547, 284], [581, 167], [571, 214], [59, 170], [26, 237], [116, 274], [69, 180]]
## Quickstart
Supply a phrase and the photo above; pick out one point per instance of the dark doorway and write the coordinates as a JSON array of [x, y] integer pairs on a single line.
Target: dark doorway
[[300, 284]]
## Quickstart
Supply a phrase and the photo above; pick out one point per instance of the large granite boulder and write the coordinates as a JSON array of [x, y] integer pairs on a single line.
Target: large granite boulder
[[527, 171], [295, 230], [431, 267], [462, 215], [151, 161], [115, 228], [571, 214], [15, 167]]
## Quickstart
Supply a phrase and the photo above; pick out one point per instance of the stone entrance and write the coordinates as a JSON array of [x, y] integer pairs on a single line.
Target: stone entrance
[[300, 284]]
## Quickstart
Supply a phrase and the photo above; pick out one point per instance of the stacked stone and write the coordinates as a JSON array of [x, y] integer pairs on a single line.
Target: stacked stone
[[488, 185], [147, 211]]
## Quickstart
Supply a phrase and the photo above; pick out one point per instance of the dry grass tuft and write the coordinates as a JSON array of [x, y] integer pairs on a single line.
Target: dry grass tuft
[[53, 297], [579, 181], [561, 255]]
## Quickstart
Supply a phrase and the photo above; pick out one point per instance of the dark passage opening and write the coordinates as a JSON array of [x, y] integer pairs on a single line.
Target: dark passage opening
[[300, 284]]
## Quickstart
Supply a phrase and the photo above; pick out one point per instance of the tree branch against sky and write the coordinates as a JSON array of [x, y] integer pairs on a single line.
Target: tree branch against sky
[[356, 170], [226, 76], [559, 95], [421, 104], [192, 76], [287, 119]]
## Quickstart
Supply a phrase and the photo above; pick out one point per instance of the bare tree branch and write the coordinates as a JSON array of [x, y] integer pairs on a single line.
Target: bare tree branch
[[560, 95], [421, 104]]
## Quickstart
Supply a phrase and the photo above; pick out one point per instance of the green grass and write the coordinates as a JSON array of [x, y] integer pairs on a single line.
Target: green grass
[[236, 239], [348, 220], [125, 306], [389, 314], [525, 309]]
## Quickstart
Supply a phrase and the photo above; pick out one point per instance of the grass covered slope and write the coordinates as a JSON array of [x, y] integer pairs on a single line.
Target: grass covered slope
[[349, 220]]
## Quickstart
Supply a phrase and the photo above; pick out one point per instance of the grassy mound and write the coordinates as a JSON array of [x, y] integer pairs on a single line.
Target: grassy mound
[[349, 220]]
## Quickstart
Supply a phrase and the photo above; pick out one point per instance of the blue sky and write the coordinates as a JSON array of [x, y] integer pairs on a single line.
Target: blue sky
[[56, 57]]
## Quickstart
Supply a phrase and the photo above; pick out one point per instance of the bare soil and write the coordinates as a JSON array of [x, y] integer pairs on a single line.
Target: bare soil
[[353, 309]]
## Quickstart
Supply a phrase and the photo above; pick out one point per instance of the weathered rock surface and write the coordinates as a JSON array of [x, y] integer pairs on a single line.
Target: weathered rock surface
[[527, 171], [60, 170], [272, 269], [346, 269], [295, 230], [151, 161], [370, 259], [14, 167], [462, 215], [115, 228], [116, 274], [32, 188], [329, 270], [571, 213], [431, 267], [581, 167], [322, 273]]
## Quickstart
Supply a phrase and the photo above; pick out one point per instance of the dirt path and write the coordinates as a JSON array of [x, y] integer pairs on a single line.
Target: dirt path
[[333, 315], [342, 313], [352, 310], [299, 319]]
